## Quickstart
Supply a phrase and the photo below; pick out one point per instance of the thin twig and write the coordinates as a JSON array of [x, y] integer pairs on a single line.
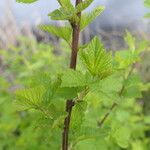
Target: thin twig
[[101, 122]]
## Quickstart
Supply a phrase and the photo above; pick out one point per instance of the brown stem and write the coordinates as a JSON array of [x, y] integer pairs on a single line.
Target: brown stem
[[69, 105], [73, 62], [75, 40]]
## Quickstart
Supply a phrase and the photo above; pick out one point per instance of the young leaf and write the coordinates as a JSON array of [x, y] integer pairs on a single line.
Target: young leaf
[[130, 40], [83, 5], [125, 58], [30, 98], [26, 1], [58, 15], [96, 59], [66, 4], [86, 19], [142, 46], [62, 32], [72, 78], [64, 14]]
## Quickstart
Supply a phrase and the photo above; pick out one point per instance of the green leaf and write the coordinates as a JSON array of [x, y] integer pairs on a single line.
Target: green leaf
[[26, 1], [83, 5], [91, 143], [43, 79], [133, 79], [66, 4], [115, 81], [147, 119], [132, 87], [77, 116], [30, 98], [62, 32], [86, 19], [124, 58], [67, 93], [142, 46], [63, 14], [145, 87], [52, 89], [122, 136], [139, 145], [147, 3], [59, 121], [108, 88], [72, 78], [130, 40], [96, 59], [122, 115], [132, 92], [59, 15]]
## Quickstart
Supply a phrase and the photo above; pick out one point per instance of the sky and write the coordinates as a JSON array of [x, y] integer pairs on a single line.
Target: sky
[[120, 11]]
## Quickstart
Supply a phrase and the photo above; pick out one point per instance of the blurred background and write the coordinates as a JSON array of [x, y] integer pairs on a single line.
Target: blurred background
[[118, 16], [24, 50]]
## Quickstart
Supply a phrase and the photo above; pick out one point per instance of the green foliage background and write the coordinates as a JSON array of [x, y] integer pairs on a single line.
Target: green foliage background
[[125, 128]]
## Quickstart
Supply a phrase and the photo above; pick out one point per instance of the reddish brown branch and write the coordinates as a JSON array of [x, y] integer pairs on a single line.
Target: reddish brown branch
[[70, 103], [75, 40]]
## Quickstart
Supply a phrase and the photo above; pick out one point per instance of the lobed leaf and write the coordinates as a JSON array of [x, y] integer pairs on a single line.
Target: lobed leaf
[[62, 32], [72, 78], [96, 59], [86, 19], [64, 14], [30, 98], [66, 4], [83, 5], [108, 88]]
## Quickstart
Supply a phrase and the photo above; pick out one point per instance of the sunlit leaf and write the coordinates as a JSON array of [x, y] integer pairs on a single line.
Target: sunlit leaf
[[96, 59], [87, 18], [62, 32]]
